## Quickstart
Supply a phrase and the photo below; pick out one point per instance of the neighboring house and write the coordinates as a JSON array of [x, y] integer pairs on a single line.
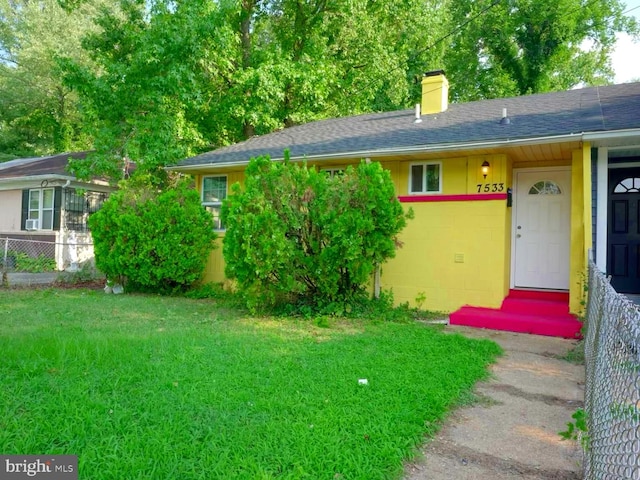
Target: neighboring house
[[45, 209], [508, 194]]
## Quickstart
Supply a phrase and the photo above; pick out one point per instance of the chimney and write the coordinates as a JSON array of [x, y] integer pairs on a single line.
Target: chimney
[[435, 92]]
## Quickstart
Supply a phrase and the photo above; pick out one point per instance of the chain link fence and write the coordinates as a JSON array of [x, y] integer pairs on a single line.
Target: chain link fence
[[30, 256], [612, 396], [18, 255]]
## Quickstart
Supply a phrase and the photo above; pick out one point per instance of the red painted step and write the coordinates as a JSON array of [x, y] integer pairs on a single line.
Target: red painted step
[[540, 307], [550, 295], [495, 319], [524, 311]]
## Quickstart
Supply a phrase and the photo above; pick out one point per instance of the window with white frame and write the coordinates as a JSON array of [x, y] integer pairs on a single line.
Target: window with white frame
[[214, 191], [425, 177], [41, 207]]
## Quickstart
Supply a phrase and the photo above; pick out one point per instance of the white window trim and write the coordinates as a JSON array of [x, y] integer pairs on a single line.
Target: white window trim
[[41, 209], [214, 204], [424, 164]]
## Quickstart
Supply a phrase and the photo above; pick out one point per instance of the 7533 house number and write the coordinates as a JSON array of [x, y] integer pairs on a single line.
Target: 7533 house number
[[490, 187]]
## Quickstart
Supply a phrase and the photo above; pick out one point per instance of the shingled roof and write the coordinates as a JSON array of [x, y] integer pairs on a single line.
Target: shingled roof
[[54, 165], [557, 114]]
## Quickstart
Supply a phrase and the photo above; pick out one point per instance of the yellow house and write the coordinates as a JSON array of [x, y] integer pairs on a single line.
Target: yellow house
[[510, 195]]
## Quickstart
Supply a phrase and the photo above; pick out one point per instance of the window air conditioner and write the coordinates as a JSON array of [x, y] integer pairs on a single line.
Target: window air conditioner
[[31, 224]]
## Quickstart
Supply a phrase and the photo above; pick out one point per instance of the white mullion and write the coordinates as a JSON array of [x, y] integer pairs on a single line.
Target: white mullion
[[602, 194]]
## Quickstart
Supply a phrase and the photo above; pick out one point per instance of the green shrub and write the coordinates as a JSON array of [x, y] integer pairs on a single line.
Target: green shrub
[[150, 240], [29, 264], [86, 274], [295, 233], [207, 290], [578, 430]]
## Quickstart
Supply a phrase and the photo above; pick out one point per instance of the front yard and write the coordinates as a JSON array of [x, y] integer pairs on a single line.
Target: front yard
[[147, 387]]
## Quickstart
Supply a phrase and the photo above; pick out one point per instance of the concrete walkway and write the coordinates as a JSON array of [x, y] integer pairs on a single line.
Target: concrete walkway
[[512, 431]]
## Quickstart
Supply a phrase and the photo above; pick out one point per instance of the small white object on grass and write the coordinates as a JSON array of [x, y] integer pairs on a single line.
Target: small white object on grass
[[363, 381]]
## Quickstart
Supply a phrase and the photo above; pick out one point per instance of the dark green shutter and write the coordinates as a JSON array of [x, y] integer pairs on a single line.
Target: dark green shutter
[[57, 201], [25, 209]]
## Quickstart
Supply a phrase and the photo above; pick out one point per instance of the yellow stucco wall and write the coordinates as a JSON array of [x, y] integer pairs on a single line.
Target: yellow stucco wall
[[459, 252], [453, 253]]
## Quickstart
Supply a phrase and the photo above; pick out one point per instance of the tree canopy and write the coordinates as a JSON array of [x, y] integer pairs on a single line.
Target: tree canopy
[[531, 46], [155, 81], [38, 114], [175, 79]]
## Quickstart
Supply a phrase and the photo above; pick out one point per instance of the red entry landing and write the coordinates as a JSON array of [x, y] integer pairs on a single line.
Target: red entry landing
[[524, 311]]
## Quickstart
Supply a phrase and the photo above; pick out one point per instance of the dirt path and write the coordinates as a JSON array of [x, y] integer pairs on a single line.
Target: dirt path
[[512, 431]]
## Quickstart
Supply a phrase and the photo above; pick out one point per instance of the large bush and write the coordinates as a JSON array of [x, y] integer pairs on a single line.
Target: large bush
[[152, 240], [296, 232]]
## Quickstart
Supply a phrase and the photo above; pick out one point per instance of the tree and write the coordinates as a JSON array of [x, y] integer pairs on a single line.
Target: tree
[[295, 232], [178, 78], [517, 47], [38, 114], [144, 101], [302, 61], [154, 241]]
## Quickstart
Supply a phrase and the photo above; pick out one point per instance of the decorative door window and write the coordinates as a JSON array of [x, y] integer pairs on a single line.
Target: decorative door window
[[545, 187], [628, 185]]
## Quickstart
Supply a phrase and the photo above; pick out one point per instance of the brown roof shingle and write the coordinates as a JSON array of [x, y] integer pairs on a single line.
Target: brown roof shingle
[[37, 166]]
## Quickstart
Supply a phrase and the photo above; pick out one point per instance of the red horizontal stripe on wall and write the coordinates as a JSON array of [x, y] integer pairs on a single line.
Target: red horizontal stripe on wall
[[473, 197]]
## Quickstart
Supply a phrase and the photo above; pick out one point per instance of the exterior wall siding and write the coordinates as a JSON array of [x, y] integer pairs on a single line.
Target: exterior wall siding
[[430, 260], [458, 251], [453, 253], [10, 210]]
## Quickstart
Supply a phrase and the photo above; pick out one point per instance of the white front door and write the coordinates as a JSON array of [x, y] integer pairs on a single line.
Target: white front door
[[542, 228]]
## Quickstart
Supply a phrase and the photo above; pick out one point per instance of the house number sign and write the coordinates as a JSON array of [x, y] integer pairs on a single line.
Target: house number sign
[[490, 187]]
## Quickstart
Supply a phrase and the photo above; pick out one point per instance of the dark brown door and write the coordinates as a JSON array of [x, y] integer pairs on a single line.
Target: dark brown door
[[623, 231]]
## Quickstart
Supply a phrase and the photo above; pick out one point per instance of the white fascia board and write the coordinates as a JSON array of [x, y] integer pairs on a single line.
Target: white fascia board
[[612, 138], [37, 181], [399, 151]]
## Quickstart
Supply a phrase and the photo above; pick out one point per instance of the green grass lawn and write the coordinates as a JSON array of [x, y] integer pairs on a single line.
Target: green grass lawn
[[146, 387]]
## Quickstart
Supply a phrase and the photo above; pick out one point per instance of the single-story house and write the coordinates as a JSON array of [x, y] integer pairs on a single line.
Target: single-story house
[[510, 195], [44, 209]]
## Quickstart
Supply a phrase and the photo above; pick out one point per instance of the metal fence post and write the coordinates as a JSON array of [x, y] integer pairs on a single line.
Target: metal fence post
[[5, 258]]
